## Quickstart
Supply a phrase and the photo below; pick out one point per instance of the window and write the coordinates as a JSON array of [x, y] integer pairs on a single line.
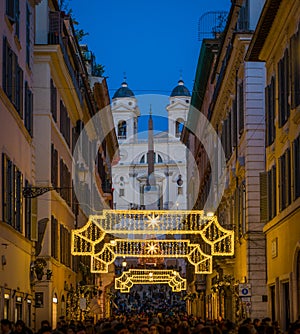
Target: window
[[122, 130], [295, 69], [296, 167], [121, 192], [12, 10], [142, 160], [272, 192], [178, 127], [65, 182], [65, 123], [12, 181], [226, 137], [284, 164], [28, 48], [283, 89], [270, 112], [179, 190], [65, 245], [53, 100], [17, 19], [243, 20], [54, 238], [28, 117], [241, 107], [12, 80], [54, 166], [27, 214]]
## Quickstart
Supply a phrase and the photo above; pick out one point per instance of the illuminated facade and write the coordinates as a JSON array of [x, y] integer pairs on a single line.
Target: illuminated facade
[[49, 90], [64, 104], [130, 174], [230, 93], [277, 43], [17, 215]]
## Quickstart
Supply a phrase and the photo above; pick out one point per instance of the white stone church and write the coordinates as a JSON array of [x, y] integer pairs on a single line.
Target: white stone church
[[131, 174]]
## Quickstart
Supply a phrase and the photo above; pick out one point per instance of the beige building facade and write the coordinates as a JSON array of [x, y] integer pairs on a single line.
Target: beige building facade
[[17, 222], [50, 89], [232, 99], [276, 42]]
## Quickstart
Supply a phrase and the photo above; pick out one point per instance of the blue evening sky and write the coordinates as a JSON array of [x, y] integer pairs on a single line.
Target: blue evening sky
[[152, 41]]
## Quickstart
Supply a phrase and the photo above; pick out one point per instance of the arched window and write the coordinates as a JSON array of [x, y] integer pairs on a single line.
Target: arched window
[[122, 129], [142, 161], [178, 127], [157, 159]]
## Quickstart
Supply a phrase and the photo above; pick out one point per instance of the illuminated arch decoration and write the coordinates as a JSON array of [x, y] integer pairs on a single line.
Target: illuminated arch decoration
[[147, 276], [152, 222], [133, 248]]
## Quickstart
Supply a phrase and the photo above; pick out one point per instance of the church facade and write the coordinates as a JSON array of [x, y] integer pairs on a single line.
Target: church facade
[[136, 184]]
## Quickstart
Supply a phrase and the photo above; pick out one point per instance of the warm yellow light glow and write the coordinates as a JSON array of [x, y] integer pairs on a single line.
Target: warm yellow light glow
[[136, 249], [89, 240], [153, 221], [145, 276], [152, 248]]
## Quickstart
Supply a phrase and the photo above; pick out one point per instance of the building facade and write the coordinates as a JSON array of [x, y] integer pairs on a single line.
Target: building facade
[[130, 175], [18, 217], [276, 42], [50, 90], [229, 92]]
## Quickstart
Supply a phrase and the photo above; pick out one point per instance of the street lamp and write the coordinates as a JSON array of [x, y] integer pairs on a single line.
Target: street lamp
[[32, 191]]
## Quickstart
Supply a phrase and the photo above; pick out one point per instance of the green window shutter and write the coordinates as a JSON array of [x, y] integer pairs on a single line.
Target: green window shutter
[[263, 183]]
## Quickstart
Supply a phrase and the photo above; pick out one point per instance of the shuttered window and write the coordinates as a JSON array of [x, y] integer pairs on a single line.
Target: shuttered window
[[272, 193], [17, 18], [54, 238], [12, 80], [28, 112], [234, 123], [12, 205], [54, 166], [28, 41], [18, 209], [65, 246], [296, 167], [11, 10], [65, 123], [295, 69], [284, 164], [263, 183], [241, 107], [27, 210], [53, 100], [270, 112], [283, 90], [65, 182]]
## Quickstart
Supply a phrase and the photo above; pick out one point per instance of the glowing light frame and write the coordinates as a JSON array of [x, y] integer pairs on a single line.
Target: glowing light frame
[[146, 276], [168, 249], [138, 222]]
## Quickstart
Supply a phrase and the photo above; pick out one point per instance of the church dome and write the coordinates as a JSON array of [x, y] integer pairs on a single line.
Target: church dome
[[180, 90], [123, 91]]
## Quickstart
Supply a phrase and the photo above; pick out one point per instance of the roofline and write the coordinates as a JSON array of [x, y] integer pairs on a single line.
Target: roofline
[[262, 30]]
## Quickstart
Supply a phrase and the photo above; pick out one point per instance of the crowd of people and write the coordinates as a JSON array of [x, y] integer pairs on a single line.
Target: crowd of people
[[153, 323]]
